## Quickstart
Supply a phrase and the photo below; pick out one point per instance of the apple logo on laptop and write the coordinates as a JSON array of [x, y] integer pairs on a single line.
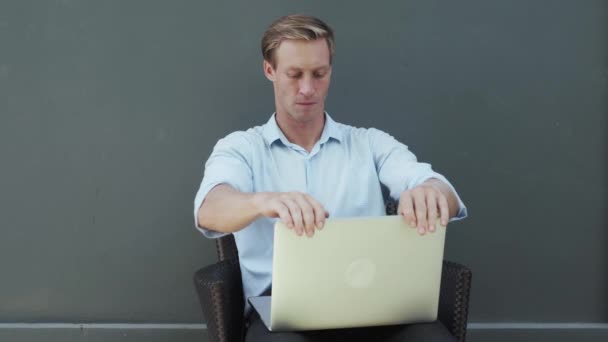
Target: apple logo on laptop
[[360, 273]]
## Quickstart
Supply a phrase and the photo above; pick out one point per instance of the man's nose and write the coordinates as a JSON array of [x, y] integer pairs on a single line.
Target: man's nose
[[307, 87]]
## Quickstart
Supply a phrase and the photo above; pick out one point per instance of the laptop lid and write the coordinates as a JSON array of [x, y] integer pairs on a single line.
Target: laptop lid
[[355, 272]]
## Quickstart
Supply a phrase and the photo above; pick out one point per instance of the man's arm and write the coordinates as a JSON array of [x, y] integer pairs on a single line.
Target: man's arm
[[425, 197], [227, 210]]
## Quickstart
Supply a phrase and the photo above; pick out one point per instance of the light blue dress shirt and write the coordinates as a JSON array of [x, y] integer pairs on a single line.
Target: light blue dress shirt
[[343, 172]]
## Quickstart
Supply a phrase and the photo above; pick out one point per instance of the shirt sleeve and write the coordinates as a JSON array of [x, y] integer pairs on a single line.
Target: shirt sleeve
[[399, 170], [228, 164]]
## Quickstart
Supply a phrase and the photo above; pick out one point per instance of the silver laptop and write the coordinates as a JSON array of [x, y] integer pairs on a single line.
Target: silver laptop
[[356, 272]]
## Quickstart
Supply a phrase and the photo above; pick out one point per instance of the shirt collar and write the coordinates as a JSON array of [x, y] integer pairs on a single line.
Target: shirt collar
[[272, 132]]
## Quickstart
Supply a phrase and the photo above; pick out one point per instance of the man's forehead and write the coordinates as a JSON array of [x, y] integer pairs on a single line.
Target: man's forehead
[[302, 54]]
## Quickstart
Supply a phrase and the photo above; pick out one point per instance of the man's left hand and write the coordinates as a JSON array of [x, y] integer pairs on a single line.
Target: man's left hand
[[425, 205]]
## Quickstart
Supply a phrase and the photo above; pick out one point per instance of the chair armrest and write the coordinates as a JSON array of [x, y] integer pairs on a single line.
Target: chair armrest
[[454, 298], [220, 292]]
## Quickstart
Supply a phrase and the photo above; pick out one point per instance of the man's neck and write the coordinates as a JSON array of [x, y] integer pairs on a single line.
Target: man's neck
[[304, 134]]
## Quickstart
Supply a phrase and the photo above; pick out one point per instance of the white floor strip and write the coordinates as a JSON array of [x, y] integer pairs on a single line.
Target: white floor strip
[[120, 326], [192, 326], [530, 326]]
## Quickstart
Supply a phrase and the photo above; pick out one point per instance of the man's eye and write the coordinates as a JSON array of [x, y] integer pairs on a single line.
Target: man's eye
[[319, 75], [293, 75]]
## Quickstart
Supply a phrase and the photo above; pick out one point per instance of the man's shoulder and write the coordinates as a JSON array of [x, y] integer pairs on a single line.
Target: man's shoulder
[[244, 139], [357, 133]]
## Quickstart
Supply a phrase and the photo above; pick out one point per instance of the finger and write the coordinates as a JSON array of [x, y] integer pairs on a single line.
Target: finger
[[296, 214], [445, 212], [420, 210], [319, 212], [407, 209], [284, 215], [308, 216], [431, 209]]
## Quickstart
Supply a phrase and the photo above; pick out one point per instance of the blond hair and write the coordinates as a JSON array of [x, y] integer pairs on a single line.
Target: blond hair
[[295, 27]]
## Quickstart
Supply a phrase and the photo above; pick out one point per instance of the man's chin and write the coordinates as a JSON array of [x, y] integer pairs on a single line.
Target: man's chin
[[306, 115]]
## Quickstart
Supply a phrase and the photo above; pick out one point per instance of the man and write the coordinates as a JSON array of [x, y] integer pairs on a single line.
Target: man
[[302, 167]]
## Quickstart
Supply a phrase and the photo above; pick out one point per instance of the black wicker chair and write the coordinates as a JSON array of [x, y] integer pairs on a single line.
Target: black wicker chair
[[220, 292]]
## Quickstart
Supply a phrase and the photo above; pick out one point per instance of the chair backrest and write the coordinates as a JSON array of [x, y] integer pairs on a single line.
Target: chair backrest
[[226, 247]]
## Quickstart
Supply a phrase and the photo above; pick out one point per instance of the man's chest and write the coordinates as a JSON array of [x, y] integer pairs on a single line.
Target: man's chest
[[344, 181]]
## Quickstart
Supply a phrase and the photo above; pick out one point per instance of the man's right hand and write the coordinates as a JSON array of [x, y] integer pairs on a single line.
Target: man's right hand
[[297, 210]]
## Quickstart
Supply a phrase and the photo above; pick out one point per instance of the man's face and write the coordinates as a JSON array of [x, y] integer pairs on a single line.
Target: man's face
[[301, 78]]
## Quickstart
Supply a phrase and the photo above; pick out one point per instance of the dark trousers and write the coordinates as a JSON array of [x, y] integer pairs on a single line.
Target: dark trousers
[[428, 332]]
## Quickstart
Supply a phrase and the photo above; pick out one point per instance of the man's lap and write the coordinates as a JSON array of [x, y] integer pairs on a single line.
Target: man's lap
[[434, 331]]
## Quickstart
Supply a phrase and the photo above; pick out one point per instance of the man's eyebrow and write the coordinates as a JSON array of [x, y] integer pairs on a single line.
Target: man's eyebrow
[[296, 69]]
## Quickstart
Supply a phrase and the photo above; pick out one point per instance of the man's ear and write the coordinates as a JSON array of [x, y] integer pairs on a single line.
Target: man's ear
[[269, 71]]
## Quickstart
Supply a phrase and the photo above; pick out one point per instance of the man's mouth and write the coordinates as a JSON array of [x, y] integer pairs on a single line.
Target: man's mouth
[[305, 103]]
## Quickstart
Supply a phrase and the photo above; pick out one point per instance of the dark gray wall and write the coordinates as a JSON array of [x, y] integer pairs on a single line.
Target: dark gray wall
[[108, 110]]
